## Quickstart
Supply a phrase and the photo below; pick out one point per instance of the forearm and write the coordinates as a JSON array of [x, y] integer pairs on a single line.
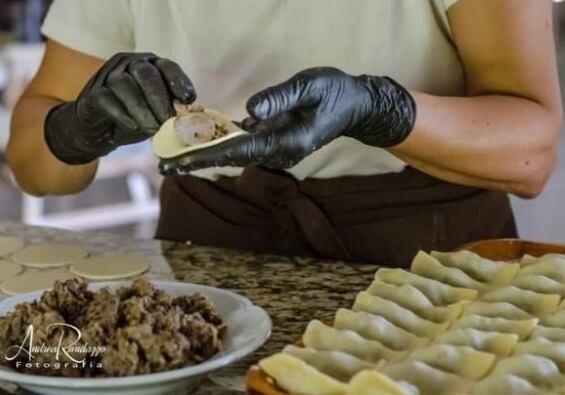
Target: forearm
[[494, 142], [35, 168]]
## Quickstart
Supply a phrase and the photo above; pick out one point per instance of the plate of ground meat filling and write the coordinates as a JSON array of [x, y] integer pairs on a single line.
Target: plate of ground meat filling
[[122, 338]]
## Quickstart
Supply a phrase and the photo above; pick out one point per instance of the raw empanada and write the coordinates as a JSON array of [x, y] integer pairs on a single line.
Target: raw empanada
[[413, 299], [375, 327], [540, 371], [405, 295], [397, 315], [497, 309], [520, 327], [336, 364], [428, 266], [428, 380], [528, 259], [548, 333], [371, 382], [539, 283], [556, 319], [461, 360], [501, 344], [438, 293], [481, 269], [299, 378], [529, 301], [544, 348], [325, 338], [551, 265], [506, 384]]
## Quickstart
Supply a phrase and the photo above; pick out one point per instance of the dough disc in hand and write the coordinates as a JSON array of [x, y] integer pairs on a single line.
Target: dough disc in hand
[[9, 269], [34, 281], [167, 144], [49, 255], [110, 267], [10, 244]]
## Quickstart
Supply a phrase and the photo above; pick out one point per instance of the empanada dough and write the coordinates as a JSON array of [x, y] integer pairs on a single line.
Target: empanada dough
[[336, 364], [371, 382], [10, 244], [428, 266], [479, 268], [110, 267], [31, 281], [297, 377], [376, 327], [9, 269], [461, 360], [47, 255], [167, 144], [501, 344]]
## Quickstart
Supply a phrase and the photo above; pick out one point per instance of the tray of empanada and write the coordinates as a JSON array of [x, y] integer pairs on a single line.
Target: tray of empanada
[[456, 323]]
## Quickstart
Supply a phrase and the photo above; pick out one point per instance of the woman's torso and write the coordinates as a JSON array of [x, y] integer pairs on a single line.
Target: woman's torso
[[232, 49]]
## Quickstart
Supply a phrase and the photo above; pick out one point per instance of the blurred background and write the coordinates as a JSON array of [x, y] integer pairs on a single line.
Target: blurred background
[[123, 198]]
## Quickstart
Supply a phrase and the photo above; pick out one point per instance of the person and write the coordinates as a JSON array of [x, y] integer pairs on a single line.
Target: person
[[376, 127]]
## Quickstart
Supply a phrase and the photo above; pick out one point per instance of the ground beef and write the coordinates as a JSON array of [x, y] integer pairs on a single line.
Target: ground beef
[[136, 330], [199, 304], [68, 298]]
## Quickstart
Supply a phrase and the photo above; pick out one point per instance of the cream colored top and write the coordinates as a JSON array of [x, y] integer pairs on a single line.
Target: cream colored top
[[234, 48]]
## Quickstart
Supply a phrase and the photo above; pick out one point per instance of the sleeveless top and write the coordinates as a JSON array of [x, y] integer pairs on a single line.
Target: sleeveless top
[[234, 48]]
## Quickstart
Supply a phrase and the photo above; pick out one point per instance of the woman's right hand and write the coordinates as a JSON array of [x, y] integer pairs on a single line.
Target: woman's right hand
[[124, 103]]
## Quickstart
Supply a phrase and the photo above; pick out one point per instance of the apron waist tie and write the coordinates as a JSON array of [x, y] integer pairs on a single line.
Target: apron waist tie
[[383, 219], [281, 195]]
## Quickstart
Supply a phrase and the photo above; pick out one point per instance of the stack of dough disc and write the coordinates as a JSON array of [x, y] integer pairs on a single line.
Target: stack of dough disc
[[110, 267], [10, 244], [48, 255], [38, 266], [9, 269], [45, 264], [455, 324], [31, 281]]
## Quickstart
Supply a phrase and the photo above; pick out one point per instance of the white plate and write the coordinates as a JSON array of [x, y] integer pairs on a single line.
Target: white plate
[[167, 144], [248, 327]]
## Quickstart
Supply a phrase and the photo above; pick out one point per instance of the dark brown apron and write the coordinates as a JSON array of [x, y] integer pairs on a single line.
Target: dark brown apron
[[382, 219]]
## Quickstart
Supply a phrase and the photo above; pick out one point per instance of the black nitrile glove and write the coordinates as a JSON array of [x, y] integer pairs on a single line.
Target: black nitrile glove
[[124, 103], [308, 111]]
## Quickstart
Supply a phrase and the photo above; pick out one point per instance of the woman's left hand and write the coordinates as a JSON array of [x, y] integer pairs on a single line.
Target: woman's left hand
[[291, 120]]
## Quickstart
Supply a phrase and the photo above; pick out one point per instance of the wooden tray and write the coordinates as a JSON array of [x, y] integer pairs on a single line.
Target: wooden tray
[[497, 249], [511, 249]]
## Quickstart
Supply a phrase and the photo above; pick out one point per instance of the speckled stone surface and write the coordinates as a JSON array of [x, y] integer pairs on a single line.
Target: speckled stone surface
[[292, 290]]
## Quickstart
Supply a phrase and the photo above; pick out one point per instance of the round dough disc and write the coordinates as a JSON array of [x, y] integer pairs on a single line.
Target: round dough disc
[[167, 144], [9, 269], [34, 281], [10, 244], [110, 267], [50, 255]]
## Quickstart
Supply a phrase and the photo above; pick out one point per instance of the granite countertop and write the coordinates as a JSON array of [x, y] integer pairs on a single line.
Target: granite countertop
[[292, 290]]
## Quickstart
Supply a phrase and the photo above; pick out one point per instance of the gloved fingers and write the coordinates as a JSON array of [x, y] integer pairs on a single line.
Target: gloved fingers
[[99, 79], [279, 142], [248, 124], [113, 108], [154, 89], [290, 95], [240, 151], [289, 138], [177, 82], [130, 94], [126, 136]]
